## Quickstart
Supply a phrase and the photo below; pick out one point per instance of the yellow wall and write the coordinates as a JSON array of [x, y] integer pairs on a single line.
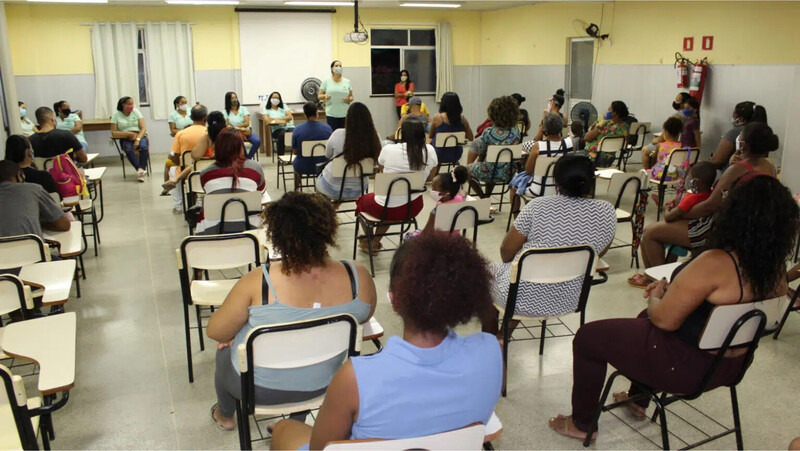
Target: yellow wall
[[757, 32], [50, 40]]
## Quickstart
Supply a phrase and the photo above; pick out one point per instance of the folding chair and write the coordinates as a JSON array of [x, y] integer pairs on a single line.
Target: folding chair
[[466, 438], [637, 133], [232, 210], [790, 307], [42, 163], [20, 250], [287, 143], [199, 165], [543, 172], [627, 188], [285, 346], [310, 149], [734, 325], [501, 154], [462, 216], [207, 253], [448, 141], [360, 170], [677, 158], [14, 295], [389, 184], [123, 156], [566, 275], [610, 144], [19, 415]]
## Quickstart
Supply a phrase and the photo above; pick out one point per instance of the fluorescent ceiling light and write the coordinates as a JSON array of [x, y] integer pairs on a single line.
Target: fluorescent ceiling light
[[68, 1], [431, 5], [305, 3], [202, 2]]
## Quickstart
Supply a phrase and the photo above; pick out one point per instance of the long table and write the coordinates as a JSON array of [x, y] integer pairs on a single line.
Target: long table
[[266, 135]]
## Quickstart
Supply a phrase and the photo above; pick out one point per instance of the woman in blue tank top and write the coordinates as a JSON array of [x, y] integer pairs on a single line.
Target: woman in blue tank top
[[300, 227], [429, 381]]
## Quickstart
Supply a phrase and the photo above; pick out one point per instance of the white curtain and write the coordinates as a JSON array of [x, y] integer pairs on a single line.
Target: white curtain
[[116, 70], [444, 59], [171, 65]]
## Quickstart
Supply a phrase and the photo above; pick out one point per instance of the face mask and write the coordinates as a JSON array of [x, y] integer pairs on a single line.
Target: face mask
[[436, 195], [184, 107], [403, 78], [275, 102], [234, 103], [607, 116], [738, 145], [128, 108], [66, 112], [737, 122], [337, 70], [688, 112], [22, 112], [676, 106]]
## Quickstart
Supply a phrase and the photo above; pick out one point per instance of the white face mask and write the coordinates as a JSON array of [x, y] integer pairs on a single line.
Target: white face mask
[[184, 107], [436, 195], [337, 70], [403, 78], [738, 144], [275, 102]]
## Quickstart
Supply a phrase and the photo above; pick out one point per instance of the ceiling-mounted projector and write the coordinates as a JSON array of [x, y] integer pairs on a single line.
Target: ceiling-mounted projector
[[356, 36]]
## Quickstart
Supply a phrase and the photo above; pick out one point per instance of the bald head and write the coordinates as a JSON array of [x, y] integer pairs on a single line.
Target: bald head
[[199, 114]]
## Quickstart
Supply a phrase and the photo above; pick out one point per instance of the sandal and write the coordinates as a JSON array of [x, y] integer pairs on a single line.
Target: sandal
[[564, 426], [637, 412], [639, 281], [215, 408], [362, 246]]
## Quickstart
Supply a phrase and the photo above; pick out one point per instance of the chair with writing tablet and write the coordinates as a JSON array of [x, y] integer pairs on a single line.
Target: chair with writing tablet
[[449, 141]]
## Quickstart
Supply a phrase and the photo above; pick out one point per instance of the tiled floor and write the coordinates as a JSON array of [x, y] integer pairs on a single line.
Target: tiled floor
[[132, 391]]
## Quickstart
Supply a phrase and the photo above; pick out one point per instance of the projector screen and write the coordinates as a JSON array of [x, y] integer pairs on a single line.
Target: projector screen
[[280, 50]]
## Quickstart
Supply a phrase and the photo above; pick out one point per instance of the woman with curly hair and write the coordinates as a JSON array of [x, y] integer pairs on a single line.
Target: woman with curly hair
[[753, 145], [306, 284], [429, 381], [504, 114], [659, 348]]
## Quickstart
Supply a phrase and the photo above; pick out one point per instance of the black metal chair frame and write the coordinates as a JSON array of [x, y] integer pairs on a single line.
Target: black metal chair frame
[[504, 186], [19, 285], [630, 149], [364, 188], [304, 178], [123, 156], [545, 178], [662, 187], [405, 224], [449, 164], [620, 153], [789, 309], [184, 275], [225, 205], [638, 181], [663, 400], [511, 301], [247, 405]]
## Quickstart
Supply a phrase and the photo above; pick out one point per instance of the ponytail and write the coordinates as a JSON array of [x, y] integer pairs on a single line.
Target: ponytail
[[760, 138]]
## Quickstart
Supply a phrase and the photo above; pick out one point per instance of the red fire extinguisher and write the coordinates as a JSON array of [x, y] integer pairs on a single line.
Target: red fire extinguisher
[[698, 81], [682, 70]]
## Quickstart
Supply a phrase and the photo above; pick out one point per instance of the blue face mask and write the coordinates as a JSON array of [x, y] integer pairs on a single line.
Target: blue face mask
[[607, 116], [22, 112], [687, 112]]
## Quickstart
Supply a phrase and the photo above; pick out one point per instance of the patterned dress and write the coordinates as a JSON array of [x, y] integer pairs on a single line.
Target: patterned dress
[[555, 221], [608, 129], [493, 136]]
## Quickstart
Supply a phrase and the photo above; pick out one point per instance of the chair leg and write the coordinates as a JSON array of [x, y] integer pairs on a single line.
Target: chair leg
[[368, 230], [355, 239], [277, 175], [541, 340], [200, 328], [506, 338], [243, 422], [593, 425], [122, 160], [661, 410], [785, 317], [736, 422], [188, 342]]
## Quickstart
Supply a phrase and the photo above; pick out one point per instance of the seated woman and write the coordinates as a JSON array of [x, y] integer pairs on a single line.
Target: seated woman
[[410, 155], [280, 120], [67, 119], [127, 125], [613, 124], [554, 105], [238, 116], [553, 145], [305, 284], [28, 127], [355, 142], [179, 118], [743, 114], [19, 150], [429, 381], [203, 149], [566, 219], [231, 172], [449, 119], [504, 113], [659, 348], [754, 144], [690, 134], [670, 140], [524, 117]]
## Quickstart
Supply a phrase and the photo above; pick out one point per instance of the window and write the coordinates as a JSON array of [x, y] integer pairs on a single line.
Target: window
[[393, 50], [142, 63]]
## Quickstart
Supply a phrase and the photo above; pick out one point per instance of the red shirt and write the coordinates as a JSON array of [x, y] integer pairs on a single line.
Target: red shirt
[[691, 199], [400, 88]]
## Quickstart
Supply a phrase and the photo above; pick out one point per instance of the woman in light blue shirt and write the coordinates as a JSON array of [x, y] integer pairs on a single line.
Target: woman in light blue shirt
[[66, 119], [280, 120], [429, 381], [238, 117], [179, 118], [127, 126], [337, 94]]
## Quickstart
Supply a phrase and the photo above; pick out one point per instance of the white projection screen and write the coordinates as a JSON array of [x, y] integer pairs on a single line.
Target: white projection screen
[[281, 49]]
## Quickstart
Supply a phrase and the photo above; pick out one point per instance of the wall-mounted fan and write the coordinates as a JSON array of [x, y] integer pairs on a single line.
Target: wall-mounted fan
[[309, 88], [584, 112]]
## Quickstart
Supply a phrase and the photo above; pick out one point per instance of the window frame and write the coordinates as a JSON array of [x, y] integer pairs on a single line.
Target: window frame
[[402, 49], [141, 37]]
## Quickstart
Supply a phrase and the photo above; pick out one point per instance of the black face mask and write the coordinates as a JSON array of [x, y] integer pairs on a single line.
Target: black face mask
[[676, 106], [66, 112], [234, 103]]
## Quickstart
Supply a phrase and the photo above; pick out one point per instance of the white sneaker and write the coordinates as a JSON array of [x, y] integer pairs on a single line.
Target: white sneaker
[[140, 173], [177, 211]]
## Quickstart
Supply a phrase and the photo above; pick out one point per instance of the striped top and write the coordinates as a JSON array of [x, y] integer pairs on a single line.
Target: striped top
[[217, 180]]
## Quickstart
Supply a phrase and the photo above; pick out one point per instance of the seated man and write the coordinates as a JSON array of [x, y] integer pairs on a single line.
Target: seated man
[[185, 140], [50, 142], [414, 107], [26, 207], [311, 130]]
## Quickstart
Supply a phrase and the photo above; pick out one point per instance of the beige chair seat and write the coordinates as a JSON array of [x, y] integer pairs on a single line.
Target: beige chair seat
[[2, 354], [9, 438], [280, 409], [211, 292], [622, 214], [372, 329], [286, 159]]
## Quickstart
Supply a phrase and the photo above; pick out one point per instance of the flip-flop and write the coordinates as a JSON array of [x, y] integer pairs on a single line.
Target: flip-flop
[[561, 424], [639, 281], [216, 407], [637, 412]]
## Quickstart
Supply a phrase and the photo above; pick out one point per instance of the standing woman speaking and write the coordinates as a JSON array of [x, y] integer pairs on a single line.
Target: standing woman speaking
[[337, 95], [403, 91]]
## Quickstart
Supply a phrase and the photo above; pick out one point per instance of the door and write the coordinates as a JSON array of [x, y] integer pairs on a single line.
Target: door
[[579, 71]]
